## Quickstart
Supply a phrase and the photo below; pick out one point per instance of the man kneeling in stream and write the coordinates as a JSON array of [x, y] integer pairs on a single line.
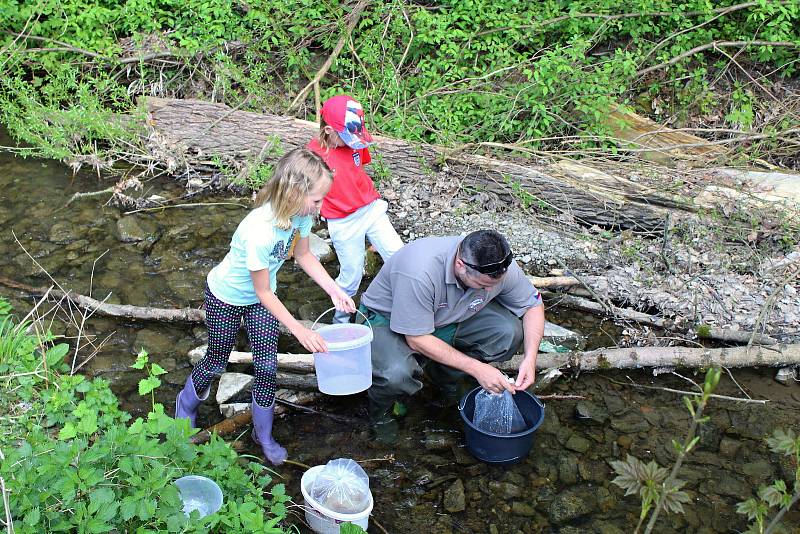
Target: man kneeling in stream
[[449, 306]]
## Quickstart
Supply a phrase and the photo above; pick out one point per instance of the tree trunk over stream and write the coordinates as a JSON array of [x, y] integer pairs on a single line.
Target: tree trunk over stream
[[192, 132], [612, 358]]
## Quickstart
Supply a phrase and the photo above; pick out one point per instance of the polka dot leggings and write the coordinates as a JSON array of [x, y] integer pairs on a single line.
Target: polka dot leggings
[[223, 321]]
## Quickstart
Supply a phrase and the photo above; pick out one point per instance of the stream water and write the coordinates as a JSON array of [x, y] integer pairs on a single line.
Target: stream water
[[427, 482]]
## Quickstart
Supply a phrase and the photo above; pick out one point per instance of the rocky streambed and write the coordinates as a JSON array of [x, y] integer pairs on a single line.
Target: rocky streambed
[[427, 481]]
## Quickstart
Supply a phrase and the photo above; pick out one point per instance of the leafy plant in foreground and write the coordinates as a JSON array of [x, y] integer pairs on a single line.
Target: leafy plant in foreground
[[776, 495], [71, 462], [654, 485], [149, 384]]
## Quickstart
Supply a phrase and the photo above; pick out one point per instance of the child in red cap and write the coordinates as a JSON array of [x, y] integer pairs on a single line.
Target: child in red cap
[[353, 207]]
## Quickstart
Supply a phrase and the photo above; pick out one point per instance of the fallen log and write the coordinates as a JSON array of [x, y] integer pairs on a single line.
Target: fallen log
[[296, 363], [192, 315], [637, 357], [627, 358], [668, 145], [550, 282], [191, 133], [706, 332], [232, 424], [124, 311], [226, 427]]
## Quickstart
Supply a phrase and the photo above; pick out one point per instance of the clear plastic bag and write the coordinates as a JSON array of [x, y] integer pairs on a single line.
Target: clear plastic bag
[[342, 486], [497, 413]]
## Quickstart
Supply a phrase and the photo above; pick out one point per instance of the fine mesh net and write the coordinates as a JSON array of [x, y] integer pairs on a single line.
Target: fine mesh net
[[497, 413], [342, 486]]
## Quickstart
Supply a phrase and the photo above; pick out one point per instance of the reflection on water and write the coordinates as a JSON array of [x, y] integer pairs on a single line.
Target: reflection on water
[[427, 482]]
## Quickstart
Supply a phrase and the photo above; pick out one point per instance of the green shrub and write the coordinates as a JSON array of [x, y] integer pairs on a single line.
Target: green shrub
[[449, 72], [73, 463]]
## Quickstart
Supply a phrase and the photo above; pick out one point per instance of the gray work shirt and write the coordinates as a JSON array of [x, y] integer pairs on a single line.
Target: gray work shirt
[[418, 290]]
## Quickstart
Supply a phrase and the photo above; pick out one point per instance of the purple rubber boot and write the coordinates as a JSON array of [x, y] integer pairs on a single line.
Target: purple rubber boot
[[262, 434], [187, 402]]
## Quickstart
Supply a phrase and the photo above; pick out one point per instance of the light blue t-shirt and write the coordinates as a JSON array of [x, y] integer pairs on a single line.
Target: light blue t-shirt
[[256, 244]]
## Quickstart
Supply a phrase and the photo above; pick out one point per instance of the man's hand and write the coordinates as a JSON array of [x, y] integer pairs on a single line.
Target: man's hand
[[492, 379], [527, 373]]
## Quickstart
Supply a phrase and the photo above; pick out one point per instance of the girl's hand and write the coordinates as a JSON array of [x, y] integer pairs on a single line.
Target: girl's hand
[[310, 339], [342, 301]]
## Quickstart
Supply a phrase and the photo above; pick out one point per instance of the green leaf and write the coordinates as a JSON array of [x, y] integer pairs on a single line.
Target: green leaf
[[98, 498], [278, 490], [350, 528], [54, 355], [128, 508], [146, 508], [689, 406], [629, 477], [67, 432], [157, 370], [32, 518], [399, 409], [176, 522], [97, 525], [137, 427], [146, 385], [108, 512], [692, 443], [771, 495], [141, 360], [278, 509]]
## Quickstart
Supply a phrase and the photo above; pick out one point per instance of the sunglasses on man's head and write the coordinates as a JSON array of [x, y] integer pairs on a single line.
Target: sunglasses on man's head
[[493, 269]]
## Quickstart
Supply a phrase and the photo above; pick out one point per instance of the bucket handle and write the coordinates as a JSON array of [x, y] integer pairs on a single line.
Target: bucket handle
[[333, 308]]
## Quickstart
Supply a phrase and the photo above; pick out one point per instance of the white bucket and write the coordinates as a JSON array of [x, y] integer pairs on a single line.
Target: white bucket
[[347, 366], [325, 521]]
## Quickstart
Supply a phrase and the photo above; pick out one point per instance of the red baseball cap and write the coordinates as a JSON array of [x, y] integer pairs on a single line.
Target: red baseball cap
[[345, 115]]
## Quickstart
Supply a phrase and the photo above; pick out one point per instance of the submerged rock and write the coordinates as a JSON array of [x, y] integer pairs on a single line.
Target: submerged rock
[[454, 499], [568, 469], [155, 343], [437, 441], [522, 508], [728, 447], [616, 405], [61, 233], [505, 490], [589, 411], [462, 456], [578, 443], [630, 424], [572, 503], [131, 229]]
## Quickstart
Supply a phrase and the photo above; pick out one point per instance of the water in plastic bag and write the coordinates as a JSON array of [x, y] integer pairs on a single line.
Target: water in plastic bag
[[497, 413], [342, 486]]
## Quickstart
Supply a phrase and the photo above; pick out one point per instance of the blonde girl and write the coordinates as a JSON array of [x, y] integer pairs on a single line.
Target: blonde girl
[[241, 287]]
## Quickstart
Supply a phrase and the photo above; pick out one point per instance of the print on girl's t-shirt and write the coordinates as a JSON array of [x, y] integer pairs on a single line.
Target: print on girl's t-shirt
[[281, 249], [357, 159]]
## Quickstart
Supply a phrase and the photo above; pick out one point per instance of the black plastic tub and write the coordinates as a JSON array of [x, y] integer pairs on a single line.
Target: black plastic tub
[[501, 448]]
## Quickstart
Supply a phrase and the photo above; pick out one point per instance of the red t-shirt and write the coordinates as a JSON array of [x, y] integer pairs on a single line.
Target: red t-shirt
[[352, 188]]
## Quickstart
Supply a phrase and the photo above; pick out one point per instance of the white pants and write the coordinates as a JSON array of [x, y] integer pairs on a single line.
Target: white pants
[[347, 235]]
